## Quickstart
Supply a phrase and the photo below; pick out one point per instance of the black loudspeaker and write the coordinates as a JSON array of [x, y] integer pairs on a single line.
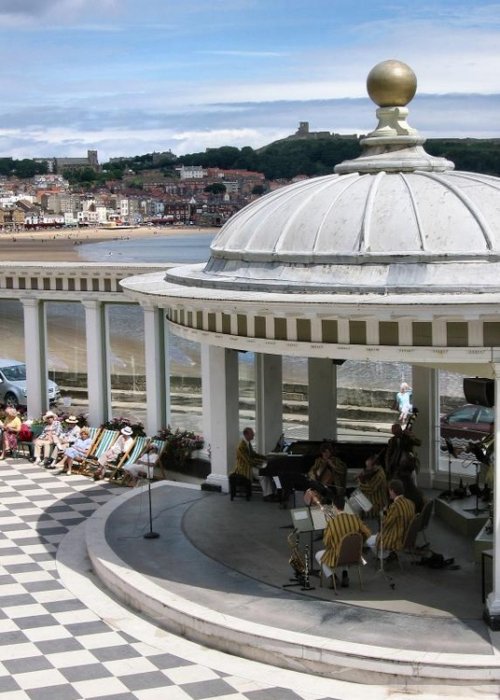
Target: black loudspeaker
[[480, 391]]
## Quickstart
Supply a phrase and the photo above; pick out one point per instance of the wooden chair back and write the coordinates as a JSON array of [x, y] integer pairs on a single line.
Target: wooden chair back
[[350, 554]]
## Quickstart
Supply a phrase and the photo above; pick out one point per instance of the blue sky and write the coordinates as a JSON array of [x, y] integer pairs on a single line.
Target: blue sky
[[132, 76]]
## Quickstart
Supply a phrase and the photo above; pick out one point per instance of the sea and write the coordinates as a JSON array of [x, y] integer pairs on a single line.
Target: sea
[[66, 327]]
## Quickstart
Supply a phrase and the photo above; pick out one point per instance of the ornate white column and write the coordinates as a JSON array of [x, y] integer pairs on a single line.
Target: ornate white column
[[492, 609], [98, 383], [35, 353], [425, 385], [157, 369], [268, 401], [322, 378], [219, 377]]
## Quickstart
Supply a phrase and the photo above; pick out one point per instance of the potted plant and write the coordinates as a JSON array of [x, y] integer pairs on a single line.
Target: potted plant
[[179, 444], [119, 423]]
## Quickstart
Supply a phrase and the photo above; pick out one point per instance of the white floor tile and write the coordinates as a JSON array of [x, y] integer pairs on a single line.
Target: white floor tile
[[100, 688], [40, 679]]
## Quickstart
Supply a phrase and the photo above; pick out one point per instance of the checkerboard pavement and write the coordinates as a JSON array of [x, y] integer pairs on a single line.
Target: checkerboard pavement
[[54, 647]]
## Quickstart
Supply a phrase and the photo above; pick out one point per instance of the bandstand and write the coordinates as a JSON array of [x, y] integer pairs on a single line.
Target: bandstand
[[395, 257]]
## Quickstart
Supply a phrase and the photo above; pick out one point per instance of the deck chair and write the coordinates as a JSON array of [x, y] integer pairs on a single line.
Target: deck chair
[[425, 518], [117, 473], [410, 540], [350, 554], [94, 434], [160, 444], [104, 441]]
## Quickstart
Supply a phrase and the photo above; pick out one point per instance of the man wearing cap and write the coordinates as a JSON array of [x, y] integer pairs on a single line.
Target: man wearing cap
[[121, 445], [47, 438], [70, 433]]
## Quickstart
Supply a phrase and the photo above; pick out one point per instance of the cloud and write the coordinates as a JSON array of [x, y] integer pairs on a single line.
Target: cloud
[[27, 12], [134, 131]]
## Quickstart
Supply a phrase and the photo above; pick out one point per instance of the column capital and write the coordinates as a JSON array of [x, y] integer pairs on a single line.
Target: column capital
[[91, 303], [30, 302], [148, 305], [495, 365]]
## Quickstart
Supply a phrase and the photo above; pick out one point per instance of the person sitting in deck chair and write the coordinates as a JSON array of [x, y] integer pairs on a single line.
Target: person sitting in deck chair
[[121, 445], [77, 452], [144, 466]]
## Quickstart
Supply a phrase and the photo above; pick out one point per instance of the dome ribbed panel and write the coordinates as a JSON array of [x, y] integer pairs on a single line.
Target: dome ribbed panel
[[342, 221], [451, 217], [258, 227], [373, 231], [392, 222]]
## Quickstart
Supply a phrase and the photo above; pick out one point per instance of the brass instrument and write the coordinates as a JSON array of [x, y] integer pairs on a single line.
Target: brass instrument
[[313, 499], [296, 561]]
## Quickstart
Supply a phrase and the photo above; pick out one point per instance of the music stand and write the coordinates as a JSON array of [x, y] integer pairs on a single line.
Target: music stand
[[308, 520], [481, 458]]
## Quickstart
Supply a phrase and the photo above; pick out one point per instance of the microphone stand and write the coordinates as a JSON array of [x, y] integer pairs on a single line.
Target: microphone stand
[[150, 535]]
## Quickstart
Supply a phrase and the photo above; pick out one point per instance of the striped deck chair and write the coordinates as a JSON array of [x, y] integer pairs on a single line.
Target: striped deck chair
[[160, 444], [104, 441], [117, 473], [94, 434]]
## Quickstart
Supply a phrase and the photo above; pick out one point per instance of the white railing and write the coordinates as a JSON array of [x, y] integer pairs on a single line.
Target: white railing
[[68, 281]]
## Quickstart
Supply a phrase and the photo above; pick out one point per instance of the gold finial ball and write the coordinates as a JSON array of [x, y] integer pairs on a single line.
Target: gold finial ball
[[391, 84]]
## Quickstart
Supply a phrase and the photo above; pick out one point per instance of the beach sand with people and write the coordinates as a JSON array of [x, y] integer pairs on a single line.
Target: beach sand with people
[[62, 245]]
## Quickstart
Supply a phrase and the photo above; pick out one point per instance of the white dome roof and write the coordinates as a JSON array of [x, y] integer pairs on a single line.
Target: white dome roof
[[367, 217], [394, 220]]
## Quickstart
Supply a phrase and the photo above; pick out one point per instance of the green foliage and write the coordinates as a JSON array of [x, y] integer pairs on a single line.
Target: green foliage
[[258, 189], [178, 445], [474, 155], [79, 176], [119, 423], [21, 168], [283, 159], [215, 188]]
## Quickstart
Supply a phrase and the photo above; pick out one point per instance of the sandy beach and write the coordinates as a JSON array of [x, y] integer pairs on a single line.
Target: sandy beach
[[63, 245]]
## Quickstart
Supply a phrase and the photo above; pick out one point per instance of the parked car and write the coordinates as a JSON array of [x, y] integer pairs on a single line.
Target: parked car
[[469, 423], [13, 389]]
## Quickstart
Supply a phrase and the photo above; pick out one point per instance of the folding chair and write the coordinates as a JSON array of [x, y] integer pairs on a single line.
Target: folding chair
[[425, 518], [94, 435], [410, 540], [118, 472], [350, 554], [160, 444], [103, 443]]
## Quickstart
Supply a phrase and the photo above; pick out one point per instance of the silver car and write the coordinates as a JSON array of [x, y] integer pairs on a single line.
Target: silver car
[[13, 389]]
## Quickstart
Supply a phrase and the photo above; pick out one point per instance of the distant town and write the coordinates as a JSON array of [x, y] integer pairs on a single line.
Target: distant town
[[201, 189]]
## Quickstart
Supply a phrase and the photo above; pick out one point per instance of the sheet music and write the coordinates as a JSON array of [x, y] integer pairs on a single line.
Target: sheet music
[[301, 519], [318, 519]]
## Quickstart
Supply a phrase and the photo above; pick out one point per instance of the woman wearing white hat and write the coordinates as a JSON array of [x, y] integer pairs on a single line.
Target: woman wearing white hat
[[121, 445]]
